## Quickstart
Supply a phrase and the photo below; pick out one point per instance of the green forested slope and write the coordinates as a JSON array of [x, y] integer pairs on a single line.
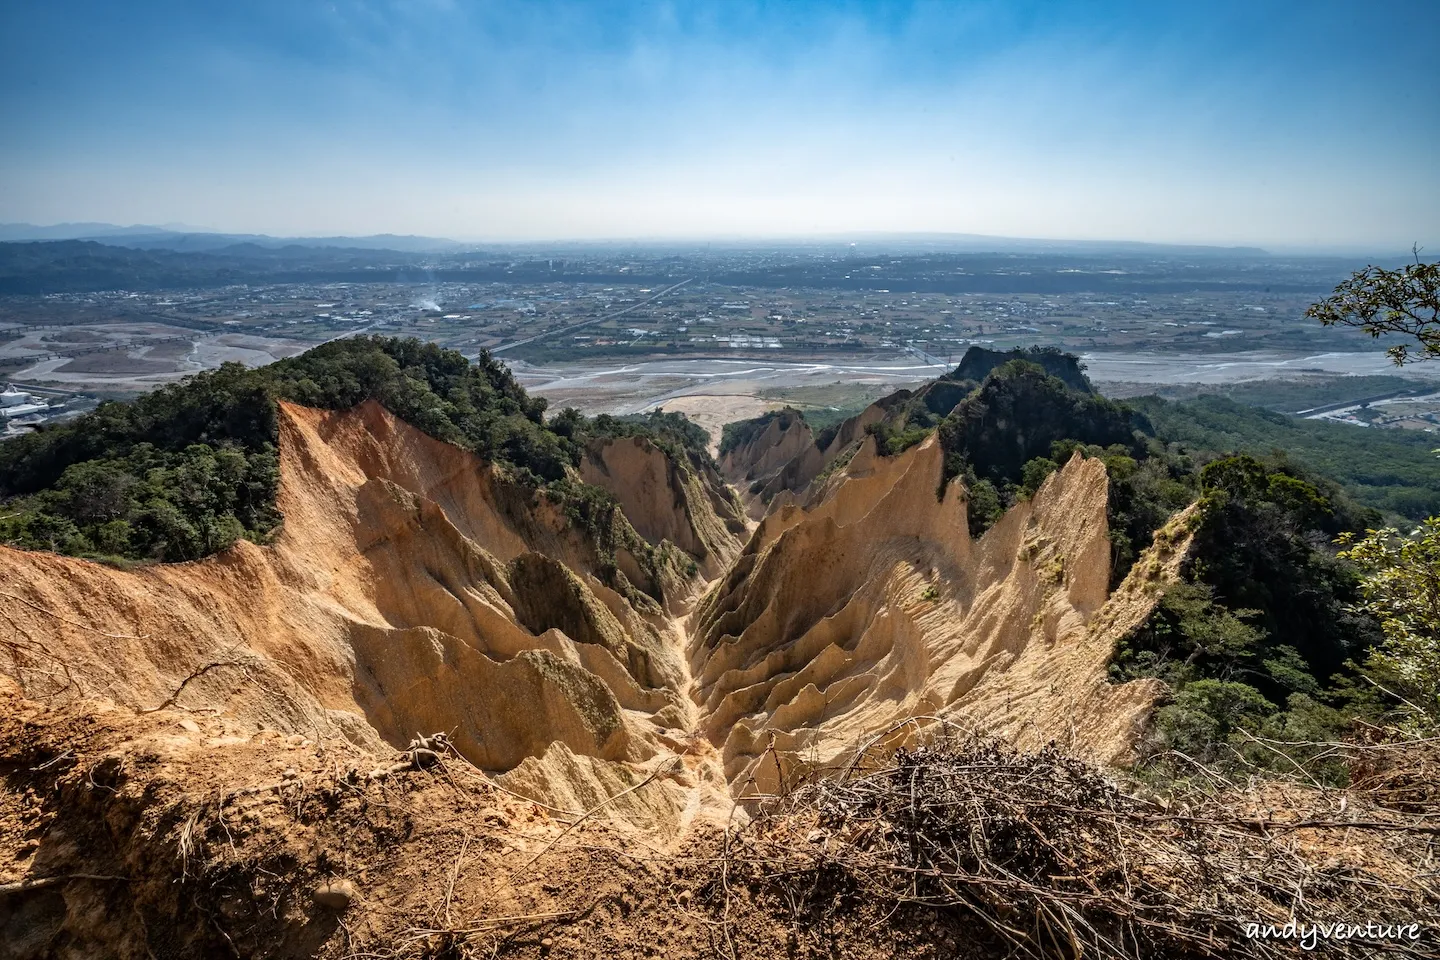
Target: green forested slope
[[182, 472], [1391, 470]]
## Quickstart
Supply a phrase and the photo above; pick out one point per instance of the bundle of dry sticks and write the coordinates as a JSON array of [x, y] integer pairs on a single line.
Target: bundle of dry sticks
[[1059, 859]]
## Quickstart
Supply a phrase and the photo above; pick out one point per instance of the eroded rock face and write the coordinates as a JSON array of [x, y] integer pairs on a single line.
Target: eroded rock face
[[684, 503], [784, 438], [842, 620], [409, 591], [782, 462], [413, 590]]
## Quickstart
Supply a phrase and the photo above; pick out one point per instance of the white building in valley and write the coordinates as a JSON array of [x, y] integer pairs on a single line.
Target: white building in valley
[[17, 403]]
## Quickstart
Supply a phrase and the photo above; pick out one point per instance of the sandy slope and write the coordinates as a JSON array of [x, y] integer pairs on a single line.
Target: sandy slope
[[874, 605], [409, 592], [412, 591], [713, 411]]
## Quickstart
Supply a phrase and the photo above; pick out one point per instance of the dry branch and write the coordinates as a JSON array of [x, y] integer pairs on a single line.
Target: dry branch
[[196, 674], [39, 883], [1056, 859], [73, 623], [666, 767]]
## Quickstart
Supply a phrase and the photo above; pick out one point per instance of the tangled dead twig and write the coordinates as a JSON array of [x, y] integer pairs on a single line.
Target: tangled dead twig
[[39, 883], [23, 652], [174, 698], [422, 753], [1056, 859], [664, 768], [452, 754], [74, 623]]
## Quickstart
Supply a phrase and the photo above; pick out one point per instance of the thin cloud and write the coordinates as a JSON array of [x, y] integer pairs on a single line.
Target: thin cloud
[[1222, 123]]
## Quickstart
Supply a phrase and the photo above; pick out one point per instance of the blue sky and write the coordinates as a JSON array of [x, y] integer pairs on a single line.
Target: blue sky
[[1299, 124]]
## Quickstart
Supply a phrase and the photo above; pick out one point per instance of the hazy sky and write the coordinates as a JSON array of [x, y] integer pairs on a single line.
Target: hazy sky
[[1206, 121]]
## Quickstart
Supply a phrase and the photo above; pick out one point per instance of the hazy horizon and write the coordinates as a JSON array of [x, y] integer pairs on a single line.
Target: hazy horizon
[[864, 241], [1226, 125]]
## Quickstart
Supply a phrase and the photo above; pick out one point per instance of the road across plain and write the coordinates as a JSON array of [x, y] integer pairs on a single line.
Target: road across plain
[[585, 323]]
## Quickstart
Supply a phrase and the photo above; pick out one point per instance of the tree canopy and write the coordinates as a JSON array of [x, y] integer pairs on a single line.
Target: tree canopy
[[1380, 302], [184, 471], [1400, 586]]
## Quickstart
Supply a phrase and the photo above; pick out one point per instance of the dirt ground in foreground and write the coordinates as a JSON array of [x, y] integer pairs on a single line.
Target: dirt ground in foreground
[[181, 835]]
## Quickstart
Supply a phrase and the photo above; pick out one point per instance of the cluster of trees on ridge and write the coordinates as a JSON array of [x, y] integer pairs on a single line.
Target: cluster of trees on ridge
[[183, 472], [1393, 471]]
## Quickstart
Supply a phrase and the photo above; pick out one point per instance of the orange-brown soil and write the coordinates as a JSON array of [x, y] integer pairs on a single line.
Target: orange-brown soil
[[210, 742]]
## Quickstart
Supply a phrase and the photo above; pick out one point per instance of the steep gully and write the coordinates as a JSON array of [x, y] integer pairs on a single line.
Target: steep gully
[[412, 590]]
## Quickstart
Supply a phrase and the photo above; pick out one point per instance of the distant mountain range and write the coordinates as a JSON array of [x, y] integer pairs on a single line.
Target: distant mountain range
[[910, 244], [187, 239], [54, 266], [182, 238], [977, 243]]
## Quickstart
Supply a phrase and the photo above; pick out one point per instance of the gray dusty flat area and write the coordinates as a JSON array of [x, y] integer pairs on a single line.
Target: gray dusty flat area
[[683, 384]]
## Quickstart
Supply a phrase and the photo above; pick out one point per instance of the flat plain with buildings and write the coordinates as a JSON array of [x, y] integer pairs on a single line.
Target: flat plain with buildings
[[720, 333]]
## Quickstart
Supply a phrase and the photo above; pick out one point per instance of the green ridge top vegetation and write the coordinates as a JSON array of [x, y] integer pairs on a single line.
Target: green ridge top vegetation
[[741, 432], [184, 471], [978, 362], [1390, 470]]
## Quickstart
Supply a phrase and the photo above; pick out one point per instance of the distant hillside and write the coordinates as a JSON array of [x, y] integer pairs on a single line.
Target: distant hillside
[[16, 232], [81, 266], [977, 243], [1292, 396], [1390, 470], [108, 262], [182, 238], [78, 266], [198, 242]]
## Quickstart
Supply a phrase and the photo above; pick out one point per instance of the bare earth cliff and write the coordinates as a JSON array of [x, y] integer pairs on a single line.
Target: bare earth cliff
[[874, 605], [411, 592]]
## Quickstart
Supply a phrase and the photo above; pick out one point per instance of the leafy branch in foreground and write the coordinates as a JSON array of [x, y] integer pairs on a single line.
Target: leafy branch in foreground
[[1400, 584], [1380, 301]]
